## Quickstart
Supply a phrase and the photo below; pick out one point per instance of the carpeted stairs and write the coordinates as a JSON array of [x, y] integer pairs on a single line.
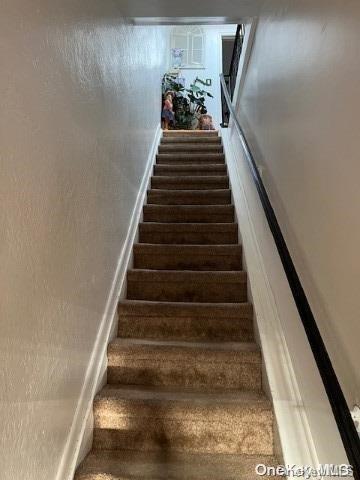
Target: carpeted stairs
[[184, 398]]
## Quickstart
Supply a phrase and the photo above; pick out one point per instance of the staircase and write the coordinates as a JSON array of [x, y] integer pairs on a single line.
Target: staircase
[[184, 398]]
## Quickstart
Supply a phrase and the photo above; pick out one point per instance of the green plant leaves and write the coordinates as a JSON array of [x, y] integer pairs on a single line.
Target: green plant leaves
[[189, 103]]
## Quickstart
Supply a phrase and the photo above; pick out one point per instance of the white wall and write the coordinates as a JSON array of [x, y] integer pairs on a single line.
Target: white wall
[[291, 379], [75, 135], [301, 105], [212, 67]]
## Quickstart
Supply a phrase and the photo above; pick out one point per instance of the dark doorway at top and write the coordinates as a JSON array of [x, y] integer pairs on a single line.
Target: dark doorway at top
[[227, 52]]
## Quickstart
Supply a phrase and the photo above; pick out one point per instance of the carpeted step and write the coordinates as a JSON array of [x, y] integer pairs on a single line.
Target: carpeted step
[[184, 398], [211, 182], [157, 419], [187, 286], [190, 148], [189, 213], [190, 158], [187, 257], [190, 170], [190, 133], [189, 233], [191, 140], [229, 366], [189, 197], [133, 465], [225, 322]]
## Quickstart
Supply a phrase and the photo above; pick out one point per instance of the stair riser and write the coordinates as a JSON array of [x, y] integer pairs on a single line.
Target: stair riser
[[184, 183], [177, 159], [199, 234], [189, 292], [178, 185], [189, 238], [190, 148], [153, 436], [167, 369], [227, 432], [153, 213], [190, 171], [187, 262], [189, 140], [188, 329], [122, 465], [190, 134], [159, 197]]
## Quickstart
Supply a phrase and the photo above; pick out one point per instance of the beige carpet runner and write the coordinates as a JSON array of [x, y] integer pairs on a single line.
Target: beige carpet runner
[[184, 398]]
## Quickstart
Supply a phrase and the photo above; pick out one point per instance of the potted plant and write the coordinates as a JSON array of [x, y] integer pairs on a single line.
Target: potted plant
[[189, 103]]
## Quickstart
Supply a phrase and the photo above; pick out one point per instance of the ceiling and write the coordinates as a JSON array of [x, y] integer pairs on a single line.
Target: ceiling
[[166, 12]]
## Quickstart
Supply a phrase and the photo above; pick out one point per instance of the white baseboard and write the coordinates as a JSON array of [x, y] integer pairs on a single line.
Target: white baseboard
[[280, 382], [79, 438]]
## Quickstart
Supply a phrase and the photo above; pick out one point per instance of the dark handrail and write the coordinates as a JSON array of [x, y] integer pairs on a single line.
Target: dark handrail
[[346, 426], [235, 58], [237, 37]]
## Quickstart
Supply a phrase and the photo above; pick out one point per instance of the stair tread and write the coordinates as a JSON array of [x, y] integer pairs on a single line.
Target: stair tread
[[206, 322], [187, 275], [168, 249], [185, 419], [134, 307], [201, 193], [194, 166], [189, 183], [191, 196], [190, 133], [187, 285], [186, 324], [192, 207], [199, 364], [190, 147], [190, 140], [133, 465], [196, 347], [187, 257], [181, 395], [195, 155], [188, 213], [198, 178], [191, 169], [191, 226]]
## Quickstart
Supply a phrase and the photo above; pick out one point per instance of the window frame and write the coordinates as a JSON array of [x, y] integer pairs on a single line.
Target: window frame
[[190, 33]]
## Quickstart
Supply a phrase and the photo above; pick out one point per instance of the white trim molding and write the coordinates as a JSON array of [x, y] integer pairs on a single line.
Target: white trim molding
[[80, 436]]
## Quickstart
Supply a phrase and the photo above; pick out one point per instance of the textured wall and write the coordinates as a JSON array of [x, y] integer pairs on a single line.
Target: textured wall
[[79, 93], [301, 102]]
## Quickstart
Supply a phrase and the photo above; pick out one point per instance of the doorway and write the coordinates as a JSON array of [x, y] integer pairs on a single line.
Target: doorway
[[227, 52]]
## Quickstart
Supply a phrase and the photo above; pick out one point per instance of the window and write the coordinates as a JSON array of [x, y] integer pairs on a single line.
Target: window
[[187, 47]]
